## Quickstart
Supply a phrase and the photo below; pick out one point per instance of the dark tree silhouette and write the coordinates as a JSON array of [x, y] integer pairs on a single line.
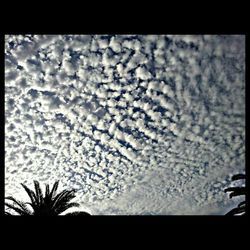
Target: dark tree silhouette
[[236, 191], [51, 204], [79, 213]]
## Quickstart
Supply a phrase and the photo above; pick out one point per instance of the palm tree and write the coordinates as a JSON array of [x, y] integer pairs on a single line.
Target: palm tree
[[236, 191], [51, 204]]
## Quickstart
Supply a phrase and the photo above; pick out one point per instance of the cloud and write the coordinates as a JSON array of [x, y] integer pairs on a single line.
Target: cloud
[[115, 45], [138, 124], [142, 73]]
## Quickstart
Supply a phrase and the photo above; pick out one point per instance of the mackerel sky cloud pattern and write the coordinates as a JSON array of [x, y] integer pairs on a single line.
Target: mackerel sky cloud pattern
[[137, 124]]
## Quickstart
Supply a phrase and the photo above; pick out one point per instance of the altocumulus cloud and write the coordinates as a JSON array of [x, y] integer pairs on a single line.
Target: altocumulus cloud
[[138, 124]]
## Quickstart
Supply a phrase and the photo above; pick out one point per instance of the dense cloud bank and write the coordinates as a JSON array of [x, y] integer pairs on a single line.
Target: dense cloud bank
[[138, 124]]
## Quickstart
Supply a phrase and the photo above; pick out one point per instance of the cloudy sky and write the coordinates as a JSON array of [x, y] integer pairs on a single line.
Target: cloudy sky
[[138, 124]]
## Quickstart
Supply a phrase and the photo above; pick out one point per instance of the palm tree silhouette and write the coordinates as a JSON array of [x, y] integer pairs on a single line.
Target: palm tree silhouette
[[237, 191], [51, 204]]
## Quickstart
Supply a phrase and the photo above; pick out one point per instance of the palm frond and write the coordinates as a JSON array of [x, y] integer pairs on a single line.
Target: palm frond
[[16, 209], [63, 197], [48, 199], [47, 190], [39, 193], [64, 207], [19, 203], [238, 177], [236, 191], [54, 189], [243, 203], [34, 206], [31, 194], [237, 210]]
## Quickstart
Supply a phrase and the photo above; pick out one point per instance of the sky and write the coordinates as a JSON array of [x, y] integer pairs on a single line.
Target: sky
[[137, 124]]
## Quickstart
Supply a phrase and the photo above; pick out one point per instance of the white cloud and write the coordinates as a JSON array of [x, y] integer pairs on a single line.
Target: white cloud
[[115, 45], [142, 73]]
